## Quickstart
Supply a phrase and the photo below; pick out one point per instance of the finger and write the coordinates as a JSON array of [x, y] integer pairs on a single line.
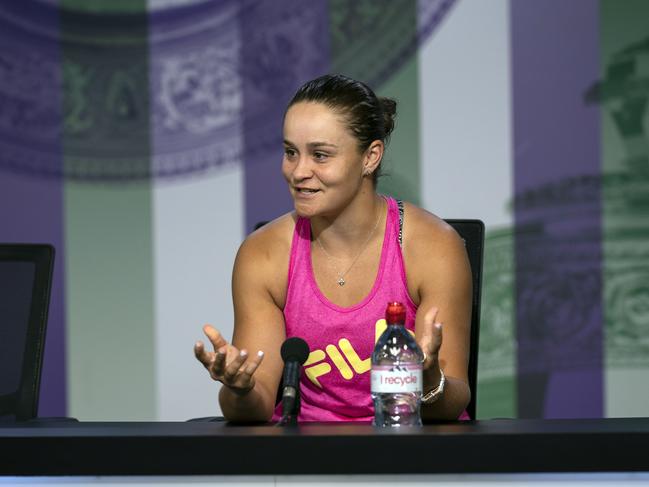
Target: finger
[[433, 342], [253, 363], [231, 352], [215, 337], [437, 336], [245, 378], [430, 345], [429, 356], [232, 369], [429, 322], [217, 366], [201, 354], [431, 315], [427, 335]]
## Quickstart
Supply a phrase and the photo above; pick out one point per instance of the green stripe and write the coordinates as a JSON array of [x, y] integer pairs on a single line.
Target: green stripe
[[497, 352], [625, 200], [400, 166], [110, 322], [364, 39]]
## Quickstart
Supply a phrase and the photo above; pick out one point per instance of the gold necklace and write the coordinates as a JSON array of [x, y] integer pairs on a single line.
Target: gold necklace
[[341, 276]]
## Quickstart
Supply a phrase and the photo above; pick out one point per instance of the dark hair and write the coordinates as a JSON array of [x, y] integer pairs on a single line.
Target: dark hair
[[369, 117]]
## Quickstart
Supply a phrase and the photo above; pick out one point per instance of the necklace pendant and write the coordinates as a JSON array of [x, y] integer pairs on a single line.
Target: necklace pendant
[[341, 282]]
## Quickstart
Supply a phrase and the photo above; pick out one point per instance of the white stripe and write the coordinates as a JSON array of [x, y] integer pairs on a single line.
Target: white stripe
[[466, 167], [198, 226], [466, 114]]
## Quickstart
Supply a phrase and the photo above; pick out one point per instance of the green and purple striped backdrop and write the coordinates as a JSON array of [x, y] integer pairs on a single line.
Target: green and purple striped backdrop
[[143, 139]]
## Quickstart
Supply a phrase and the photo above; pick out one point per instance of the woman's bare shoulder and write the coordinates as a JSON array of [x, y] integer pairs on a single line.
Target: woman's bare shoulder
[[434, 255], [270, 242], [422, 223], [426, 235], [263, 256]]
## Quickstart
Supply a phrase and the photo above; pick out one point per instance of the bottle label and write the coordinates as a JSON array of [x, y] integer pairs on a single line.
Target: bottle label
[[397, 378]]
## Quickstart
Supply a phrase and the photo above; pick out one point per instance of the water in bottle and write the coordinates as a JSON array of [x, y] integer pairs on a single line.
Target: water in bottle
[[397, 373]]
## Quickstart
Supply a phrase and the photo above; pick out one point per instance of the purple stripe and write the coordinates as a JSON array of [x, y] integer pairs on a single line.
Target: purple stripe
[[195, 100], [31, 206], [284, 44], [555, 58]]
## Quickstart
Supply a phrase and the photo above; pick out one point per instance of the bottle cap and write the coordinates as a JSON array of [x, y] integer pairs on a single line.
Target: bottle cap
[[395, 313]]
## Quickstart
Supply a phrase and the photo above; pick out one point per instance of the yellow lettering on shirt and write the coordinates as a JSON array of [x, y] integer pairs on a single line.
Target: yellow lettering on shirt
[[359, 366], [380, 326], [315, 356], [314, 367], [316, 371], [339, 362]]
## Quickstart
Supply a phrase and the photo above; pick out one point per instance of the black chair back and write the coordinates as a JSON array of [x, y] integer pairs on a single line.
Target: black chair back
[[472, 232], [25, 283]]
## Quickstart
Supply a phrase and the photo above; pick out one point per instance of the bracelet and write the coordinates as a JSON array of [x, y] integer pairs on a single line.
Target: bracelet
[[433, 395]]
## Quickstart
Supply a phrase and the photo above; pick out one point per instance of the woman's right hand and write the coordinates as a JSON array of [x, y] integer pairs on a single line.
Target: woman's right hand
[[227, 364]]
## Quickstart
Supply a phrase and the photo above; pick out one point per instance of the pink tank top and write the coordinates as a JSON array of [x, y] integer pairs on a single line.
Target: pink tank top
[[335, 383]]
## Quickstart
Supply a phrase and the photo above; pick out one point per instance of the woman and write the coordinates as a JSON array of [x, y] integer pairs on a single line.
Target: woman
[[326, 271]]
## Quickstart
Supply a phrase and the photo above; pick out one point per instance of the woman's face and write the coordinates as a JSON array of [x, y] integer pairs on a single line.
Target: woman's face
[[322, 163]]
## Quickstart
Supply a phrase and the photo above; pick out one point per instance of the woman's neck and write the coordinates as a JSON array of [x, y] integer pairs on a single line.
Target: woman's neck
[[342, 233]]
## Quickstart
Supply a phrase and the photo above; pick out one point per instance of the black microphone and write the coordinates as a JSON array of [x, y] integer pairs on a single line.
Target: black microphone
[[294, 352]]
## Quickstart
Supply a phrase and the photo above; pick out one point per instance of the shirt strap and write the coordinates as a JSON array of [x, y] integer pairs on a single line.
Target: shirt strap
[[400, 206]]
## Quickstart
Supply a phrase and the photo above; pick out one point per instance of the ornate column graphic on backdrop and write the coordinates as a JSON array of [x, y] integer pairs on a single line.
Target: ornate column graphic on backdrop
[[190, 91], [196, 92], [194, 84], [624, 95], [564, 276], [30, 90]]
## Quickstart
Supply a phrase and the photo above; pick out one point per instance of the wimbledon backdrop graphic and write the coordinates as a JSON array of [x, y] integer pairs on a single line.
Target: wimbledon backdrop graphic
[[143, 139]]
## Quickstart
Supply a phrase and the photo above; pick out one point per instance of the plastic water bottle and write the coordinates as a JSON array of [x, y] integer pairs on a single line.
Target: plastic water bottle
[[397, 373]]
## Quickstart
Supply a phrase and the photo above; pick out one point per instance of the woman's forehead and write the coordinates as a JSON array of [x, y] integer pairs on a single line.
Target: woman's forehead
[[312, 109], [308, 118]]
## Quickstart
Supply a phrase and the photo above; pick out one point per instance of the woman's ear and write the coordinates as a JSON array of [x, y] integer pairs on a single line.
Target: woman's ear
[[372, 158]]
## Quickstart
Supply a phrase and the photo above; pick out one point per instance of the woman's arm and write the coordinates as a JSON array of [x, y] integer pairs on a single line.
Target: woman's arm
[[250, 378], [438, 267]]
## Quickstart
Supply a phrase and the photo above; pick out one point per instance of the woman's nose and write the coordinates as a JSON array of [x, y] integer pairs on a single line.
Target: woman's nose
[[303, 169]]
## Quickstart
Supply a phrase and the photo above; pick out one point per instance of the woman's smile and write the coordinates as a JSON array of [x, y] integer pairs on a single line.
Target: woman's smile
[[306, 193]]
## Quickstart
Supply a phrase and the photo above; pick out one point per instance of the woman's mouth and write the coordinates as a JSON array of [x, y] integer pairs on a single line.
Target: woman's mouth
[[306, 191]]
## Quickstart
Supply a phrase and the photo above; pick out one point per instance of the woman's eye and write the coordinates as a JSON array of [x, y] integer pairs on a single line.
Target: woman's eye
[[289, 152], [319, 156]]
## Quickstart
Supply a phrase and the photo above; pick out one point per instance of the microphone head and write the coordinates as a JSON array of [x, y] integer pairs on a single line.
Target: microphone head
[[295, 348]]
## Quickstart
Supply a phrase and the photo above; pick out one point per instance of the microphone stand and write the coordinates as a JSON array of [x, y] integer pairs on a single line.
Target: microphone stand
[[290, 394], [294, 352], [290, 408]]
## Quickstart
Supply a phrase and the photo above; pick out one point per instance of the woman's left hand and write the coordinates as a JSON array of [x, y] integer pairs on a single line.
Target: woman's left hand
[[430, 343]]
